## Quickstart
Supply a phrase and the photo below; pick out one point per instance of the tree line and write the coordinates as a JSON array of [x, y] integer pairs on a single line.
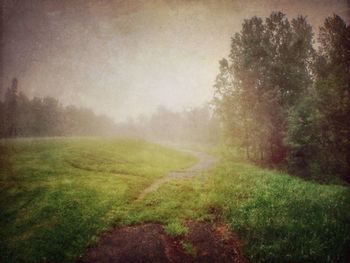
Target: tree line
[[39, 117], [195, 125], [285, 98], [36, 117]]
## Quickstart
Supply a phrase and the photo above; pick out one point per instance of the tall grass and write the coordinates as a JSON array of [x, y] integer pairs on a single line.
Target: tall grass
[[282, 218]]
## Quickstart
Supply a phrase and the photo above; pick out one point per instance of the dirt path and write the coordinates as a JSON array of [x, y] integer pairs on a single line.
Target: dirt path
[[150, 243], [204, 241], [204, 162]]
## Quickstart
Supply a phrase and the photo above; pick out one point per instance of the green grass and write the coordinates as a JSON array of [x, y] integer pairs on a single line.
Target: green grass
[[188, 248], [280, 218], [175, 202], [58, 195], [175, 228], [283, 218]]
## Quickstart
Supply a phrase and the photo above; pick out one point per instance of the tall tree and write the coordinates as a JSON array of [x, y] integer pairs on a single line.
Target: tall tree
[[333, 89], [2, 119], [267, 72], [11, 109], [319, 127]]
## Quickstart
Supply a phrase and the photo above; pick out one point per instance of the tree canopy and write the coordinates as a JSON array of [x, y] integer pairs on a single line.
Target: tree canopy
[[282, 100]]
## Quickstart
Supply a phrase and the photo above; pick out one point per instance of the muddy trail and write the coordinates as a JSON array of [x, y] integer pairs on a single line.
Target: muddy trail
[[203, 242], [149, 243]]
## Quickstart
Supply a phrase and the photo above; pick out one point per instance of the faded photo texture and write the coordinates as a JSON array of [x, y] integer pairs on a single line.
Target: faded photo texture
[[125, 58]]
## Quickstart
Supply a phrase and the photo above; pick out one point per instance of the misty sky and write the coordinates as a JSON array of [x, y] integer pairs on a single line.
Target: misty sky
[[124, 58]]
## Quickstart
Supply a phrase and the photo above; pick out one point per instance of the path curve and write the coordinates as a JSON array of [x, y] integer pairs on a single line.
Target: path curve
[[204, 162]]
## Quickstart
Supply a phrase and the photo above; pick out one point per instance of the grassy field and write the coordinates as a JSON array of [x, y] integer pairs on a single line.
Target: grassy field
[[283, 218], [279, 218], [57, 195]]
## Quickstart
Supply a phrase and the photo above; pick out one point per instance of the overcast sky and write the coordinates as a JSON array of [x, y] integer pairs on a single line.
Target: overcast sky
[[124, 58]]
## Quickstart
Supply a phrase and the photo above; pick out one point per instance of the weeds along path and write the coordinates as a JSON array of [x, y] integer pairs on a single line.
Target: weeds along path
[[204, 162]]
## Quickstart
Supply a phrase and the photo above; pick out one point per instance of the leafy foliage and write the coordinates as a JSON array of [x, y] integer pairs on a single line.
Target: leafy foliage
[[267, 72], [284, 102], [319, 127]]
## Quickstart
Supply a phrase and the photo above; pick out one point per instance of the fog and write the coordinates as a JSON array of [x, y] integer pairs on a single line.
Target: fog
[[125, 58]]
